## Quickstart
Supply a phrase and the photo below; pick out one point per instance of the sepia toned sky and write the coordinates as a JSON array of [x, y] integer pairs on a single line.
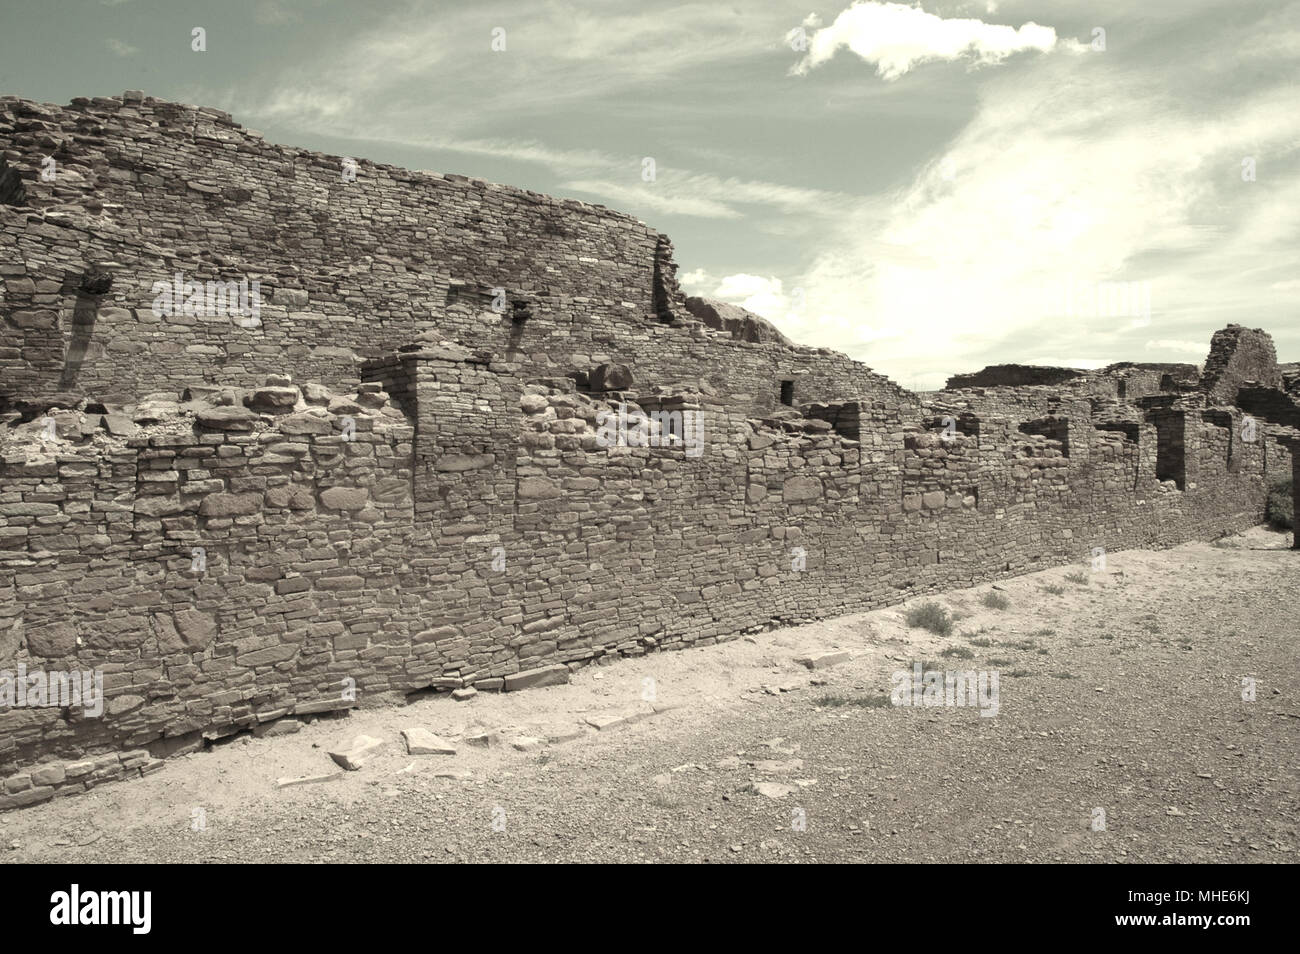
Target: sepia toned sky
[[930, 188]]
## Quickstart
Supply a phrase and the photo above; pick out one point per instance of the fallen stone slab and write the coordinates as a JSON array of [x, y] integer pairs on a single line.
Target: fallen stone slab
[[482, 738], [777, 766], [559, 731], [823, 660], [458, 774], [360, 751], [307, 780], [465, 694], [527, 743], [420, 741], [602, 722], [771, 789], [556, 675]]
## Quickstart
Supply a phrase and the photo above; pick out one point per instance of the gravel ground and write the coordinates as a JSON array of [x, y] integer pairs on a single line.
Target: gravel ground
[[1119, 691]]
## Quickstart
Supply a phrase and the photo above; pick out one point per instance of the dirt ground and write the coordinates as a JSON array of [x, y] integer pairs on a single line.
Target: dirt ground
[[1121, 735]]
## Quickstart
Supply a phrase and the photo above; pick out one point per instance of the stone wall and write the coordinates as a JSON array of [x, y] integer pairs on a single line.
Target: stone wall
[[230, 544], [146, 190], [476, 528]]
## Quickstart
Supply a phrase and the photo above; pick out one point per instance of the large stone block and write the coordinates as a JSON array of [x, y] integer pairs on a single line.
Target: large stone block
[[534, 678], [800, 489]]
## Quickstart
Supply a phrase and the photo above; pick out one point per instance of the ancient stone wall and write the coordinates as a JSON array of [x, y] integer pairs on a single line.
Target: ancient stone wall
[[229, 544], [145, 191], [352, 554]]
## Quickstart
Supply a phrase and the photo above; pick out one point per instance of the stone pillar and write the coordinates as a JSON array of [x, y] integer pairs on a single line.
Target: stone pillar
[[466, 439]]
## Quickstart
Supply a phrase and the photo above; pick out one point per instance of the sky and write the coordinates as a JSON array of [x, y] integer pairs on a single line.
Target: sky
[[927, 187]]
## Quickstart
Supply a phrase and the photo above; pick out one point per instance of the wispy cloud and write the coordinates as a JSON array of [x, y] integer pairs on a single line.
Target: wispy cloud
[[896, 38], [119, 47], [1096, 169]]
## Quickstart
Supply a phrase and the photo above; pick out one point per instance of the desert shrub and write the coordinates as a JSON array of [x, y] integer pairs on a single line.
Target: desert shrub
[[1280, 505], [995, 600], [930, 616]]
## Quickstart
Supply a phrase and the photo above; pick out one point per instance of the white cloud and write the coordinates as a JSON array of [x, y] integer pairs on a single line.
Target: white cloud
[[1077, 170], [695, 281], [895, 38], [120, 48], [1199, 348]]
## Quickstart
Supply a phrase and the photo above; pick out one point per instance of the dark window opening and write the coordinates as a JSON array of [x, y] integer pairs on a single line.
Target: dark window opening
[[787, 393], [1053, 428], [1171, 453]]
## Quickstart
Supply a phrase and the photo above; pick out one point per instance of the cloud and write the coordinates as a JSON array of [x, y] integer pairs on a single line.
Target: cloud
[[1075, 171], [120, 48], [895, 38], [1199, 348]]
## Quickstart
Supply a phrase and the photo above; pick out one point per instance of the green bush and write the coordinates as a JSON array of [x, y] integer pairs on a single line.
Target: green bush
[[1280, 505], [930, 616]]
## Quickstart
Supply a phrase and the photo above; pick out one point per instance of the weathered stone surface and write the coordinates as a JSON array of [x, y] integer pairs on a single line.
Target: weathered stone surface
[[307, 780], [482, 738], [273, 400], [456, 463], [420, 741], [344, 498], [228, 505], [52, 641], [536, 678], [537, 488], [226, 418], [357, 752], [798, 489], [611, 377], [774, 790], [278, 727], [824, 660], [195, 628]]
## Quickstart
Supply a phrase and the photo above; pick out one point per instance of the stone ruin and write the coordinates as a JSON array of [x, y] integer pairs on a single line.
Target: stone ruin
[[395, 474]]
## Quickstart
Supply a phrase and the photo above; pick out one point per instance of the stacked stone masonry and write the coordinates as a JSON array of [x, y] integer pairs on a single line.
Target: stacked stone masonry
[[390, 486]]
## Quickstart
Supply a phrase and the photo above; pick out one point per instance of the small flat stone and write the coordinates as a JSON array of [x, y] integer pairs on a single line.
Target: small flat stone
[[771, 789], [360, 751], [824, 660], [420, 741], [482, 738], [527, 743], [561, 732], [307, 780], [606, 721]]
